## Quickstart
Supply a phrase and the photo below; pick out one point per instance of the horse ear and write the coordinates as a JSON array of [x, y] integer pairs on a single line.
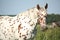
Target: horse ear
[[46, 6], [38, 7]]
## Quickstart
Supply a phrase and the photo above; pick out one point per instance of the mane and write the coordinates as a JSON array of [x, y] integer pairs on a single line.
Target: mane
[[27, 10], [29, 13]]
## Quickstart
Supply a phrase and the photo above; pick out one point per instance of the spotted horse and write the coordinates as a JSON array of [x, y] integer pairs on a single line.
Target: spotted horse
[[21, 26]]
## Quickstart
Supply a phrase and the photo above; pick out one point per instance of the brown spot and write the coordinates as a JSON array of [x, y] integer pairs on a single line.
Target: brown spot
[[4, 31], [11, 36], [20, 33], [12, 29], [31, 25], [17, 20], [1, 17], [26, 28], [41, 19], [20, 36], [24, 37], [11, 24], [32, 10], [27, 31], [27, 34], [7, 29], [14, 23], [25, 22], [29, 21], [19, 27], [24, 17], [9, 21], [0, 23], [5, 37], [21, 14]]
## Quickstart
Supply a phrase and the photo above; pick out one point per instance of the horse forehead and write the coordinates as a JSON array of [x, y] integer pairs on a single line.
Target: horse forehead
[[42, 9]]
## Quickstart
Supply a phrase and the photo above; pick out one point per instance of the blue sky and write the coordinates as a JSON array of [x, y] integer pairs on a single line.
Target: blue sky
[[13, 7]]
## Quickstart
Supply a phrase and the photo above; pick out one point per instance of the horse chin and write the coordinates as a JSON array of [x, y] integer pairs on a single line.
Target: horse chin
[[42, 28]]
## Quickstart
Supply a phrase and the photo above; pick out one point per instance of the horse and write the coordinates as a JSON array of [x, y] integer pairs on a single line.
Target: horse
[[21, 26]]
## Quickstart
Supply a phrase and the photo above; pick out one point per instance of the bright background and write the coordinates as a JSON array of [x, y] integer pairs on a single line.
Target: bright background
[[13, 7]]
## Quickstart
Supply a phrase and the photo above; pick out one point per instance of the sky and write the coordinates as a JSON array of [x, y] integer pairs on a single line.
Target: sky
[[13, 7]]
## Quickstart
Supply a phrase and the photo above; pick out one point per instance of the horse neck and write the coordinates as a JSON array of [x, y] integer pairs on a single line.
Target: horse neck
[[31, 13]]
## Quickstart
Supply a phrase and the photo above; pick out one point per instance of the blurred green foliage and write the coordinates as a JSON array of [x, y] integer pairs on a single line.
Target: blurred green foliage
[[52, 17], [49, 34]]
